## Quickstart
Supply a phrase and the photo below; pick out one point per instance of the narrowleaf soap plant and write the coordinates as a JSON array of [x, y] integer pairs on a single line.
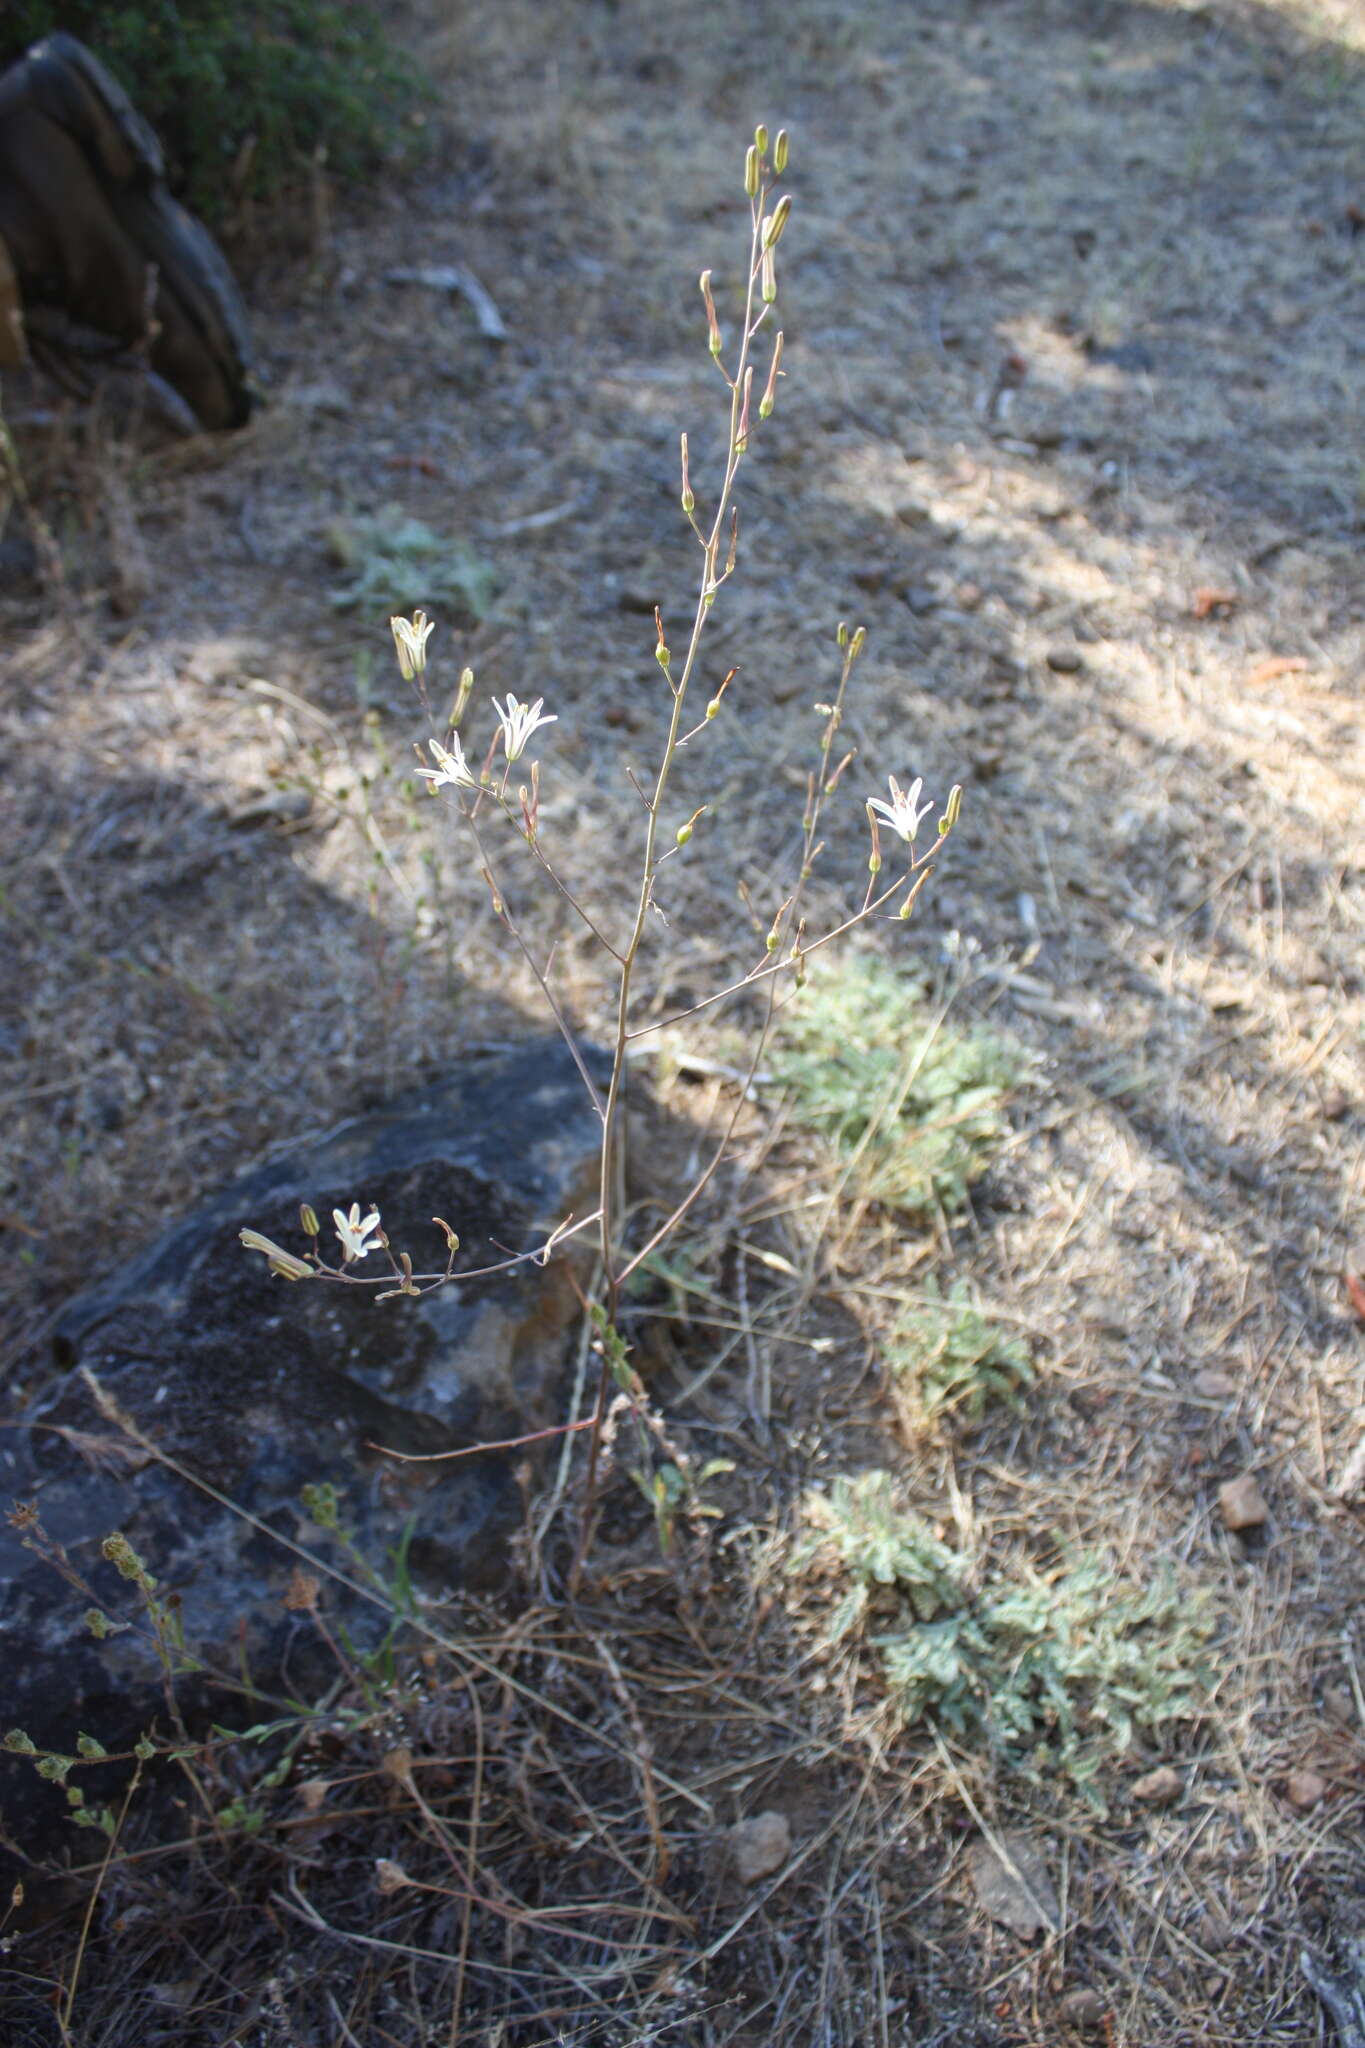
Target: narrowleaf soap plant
[[491, 783]]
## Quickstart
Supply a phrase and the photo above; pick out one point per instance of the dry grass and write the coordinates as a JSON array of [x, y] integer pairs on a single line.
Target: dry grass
[[1121, 601]]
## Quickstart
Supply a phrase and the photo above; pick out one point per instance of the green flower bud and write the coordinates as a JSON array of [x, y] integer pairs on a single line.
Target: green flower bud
[[780, 152], [683, 834], [781, 215], [20, 1744], [857, 643], [751, 172], [761, 139], [952, 810], [308, 1217], [874, 863], [88, 1747], [843, 634]]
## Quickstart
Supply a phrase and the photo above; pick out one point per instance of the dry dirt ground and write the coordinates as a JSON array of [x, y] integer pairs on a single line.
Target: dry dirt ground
[[1073, 295]]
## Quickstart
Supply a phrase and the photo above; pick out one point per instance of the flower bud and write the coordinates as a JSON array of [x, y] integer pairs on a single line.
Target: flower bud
[[761, 139], [308, 1217], [874, 863], [751, 172], [780, 152], [842, 636], [452, 1240], [952, 810], [781, 215], [765, 404], [689, 503], [711, 320], [742, 433], [683, 834], [713, 708], [857, 643], [462, 696], [768, 278], [279, 1260], [410, 638]]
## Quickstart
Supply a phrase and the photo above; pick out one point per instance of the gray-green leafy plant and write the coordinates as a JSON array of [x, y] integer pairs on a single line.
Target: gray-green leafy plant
[[919, 1102], [393, 561], [945, 1354], [1055, 1671]]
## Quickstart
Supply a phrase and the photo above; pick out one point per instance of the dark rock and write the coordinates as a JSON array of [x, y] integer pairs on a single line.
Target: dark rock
[[107, 266], [257, 1388]]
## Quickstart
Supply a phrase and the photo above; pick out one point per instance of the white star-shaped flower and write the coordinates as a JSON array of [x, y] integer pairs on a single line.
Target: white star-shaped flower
[[519, 721], [901, 813], [355, 1236], [451, 766], [410, 637]]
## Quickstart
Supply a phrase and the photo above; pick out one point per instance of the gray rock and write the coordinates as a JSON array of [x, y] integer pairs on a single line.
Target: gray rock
[[260, 1388]]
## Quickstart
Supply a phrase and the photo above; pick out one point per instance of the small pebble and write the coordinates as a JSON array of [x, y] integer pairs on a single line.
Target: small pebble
[[1064, 661], [760, 1846], [1161, 1787], [1083, 2008], [1214, 1385], [1305, 1789], [1242, 1503]]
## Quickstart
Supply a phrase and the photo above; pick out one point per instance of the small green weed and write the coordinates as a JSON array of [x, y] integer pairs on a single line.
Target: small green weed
[[1056, 1670], [917, 1101], [951, 1360], [396, 562]]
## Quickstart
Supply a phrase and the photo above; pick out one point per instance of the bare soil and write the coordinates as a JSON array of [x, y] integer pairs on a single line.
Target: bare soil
[[1073, 297]]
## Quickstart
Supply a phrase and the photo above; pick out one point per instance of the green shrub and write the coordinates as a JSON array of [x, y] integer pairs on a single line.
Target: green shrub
[[212, 76]]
